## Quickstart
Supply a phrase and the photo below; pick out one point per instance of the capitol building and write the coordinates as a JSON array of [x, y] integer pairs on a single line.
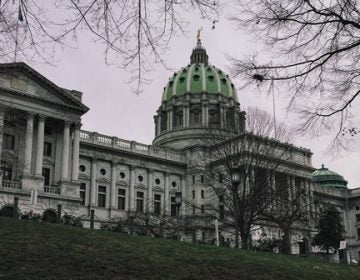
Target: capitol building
[[47, 160]]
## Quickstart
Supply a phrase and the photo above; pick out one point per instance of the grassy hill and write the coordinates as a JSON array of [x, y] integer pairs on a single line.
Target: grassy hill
[[30, 250]]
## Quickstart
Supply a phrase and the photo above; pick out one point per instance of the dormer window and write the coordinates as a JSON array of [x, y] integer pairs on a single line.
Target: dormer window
[[196, 78], [223, 81], [182, 80], [211, 78]]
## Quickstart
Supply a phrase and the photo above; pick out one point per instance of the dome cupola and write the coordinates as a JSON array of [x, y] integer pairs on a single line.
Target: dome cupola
[[197, 98], [327, 178]]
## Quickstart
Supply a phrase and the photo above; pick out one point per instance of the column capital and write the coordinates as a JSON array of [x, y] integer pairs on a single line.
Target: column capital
[[67, 123], [41, 117], [30, 115], [77, 125], [114, 163]]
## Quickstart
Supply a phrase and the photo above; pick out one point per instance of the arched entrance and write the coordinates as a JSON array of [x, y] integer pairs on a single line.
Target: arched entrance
[[7, 211], [49, 216]]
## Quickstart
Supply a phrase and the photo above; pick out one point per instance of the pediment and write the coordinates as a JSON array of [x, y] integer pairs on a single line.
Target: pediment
[[22, 79]]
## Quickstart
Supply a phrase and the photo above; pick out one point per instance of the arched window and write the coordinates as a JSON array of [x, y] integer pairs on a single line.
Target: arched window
[[196, 116], [213, 116], [49, 216], [163, 125], [178, 120]]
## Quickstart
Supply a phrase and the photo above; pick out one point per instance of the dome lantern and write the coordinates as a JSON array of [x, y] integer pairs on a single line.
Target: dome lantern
[[199, 54], [327, 178]]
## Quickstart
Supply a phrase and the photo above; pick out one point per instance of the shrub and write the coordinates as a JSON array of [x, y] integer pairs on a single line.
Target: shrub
[[70, 220], [31, 216]]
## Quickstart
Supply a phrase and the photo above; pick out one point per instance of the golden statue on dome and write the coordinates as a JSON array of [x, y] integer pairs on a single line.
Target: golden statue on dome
[[198, 34]]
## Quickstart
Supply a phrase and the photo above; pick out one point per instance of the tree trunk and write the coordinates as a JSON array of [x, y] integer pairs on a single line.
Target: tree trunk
[[236, 237], [285, 243]]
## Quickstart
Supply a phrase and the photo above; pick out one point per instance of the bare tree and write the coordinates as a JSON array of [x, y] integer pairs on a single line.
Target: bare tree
[[288, 207], [312, 51], [240, 200], [135, 33]]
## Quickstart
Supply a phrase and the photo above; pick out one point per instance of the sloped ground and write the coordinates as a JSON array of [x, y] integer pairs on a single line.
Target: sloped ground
[[30, 250]]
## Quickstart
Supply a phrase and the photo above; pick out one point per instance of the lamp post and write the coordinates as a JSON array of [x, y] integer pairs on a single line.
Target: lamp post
[[235, 180], [178, 202]]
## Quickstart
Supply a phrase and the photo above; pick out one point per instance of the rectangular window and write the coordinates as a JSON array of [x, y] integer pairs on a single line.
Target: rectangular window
[[202, 178], [193, 179], [193, 194], [139, 202], [47, 149], [8, 141], [202, 208], [46, 175], [358, 217], [157, 204], [7, 171], [194, 209], [121, 199], [357, 208], [101, 196], [221, 198], [358, 233], [173, 207], [82, 193], [202, 194]]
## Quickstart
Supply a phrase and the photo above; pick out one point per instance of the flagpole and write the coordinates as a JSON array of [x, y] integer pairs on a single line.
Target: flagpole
[[20, 18]]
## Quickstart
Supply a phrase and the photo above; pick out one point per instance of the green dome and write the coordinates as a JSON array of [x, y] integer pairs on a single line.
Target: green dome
[[328, 178], [199, 77]]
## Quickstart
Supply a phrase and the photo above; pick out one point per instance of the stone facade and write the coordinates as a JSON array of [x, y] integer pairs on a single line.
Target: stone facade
[[47, 160]]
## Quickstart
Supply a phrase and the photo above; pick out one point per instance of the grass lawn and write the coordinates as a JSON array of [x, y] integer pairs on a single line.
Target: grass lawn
[[30, 250]]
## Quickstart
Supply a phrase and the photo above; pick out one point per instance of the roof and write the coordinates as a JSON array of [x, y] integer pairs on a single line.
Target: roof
[[328, 178], [64, 93], [199, 77]]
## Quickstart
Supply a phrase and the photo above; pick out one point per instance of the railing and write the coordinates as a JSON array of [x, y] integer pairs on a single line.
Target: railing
[[51, 190], [121, 144], [11, 185]]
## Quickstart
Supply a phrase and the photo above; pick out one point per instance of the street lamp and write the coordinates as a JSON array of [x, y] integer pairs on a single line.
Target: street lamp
[[235, 180], [178, 202]]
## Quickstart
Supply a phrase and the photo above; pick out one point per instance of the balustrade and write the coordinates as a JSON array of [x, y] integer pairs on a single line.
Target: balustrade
[[121, 144], [51, 190], [11, 185]]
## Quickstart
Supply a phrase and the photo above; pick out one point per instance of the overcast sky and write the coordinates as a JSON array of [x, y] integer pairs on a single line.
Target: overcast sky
[[115, 110]]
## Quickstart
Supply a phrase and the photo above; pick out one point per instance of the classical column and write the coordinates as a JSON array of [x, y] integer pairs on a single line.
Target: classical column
[[40, 145], [113, 191], [158, 124], [75, 154], [132, 189], [221, 117], [170, 119], [187, 115], [166, 194], [93, 182], [2, 114], [150, 204], [183, 193], [28, 143], [203, 113], [65, 152]]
